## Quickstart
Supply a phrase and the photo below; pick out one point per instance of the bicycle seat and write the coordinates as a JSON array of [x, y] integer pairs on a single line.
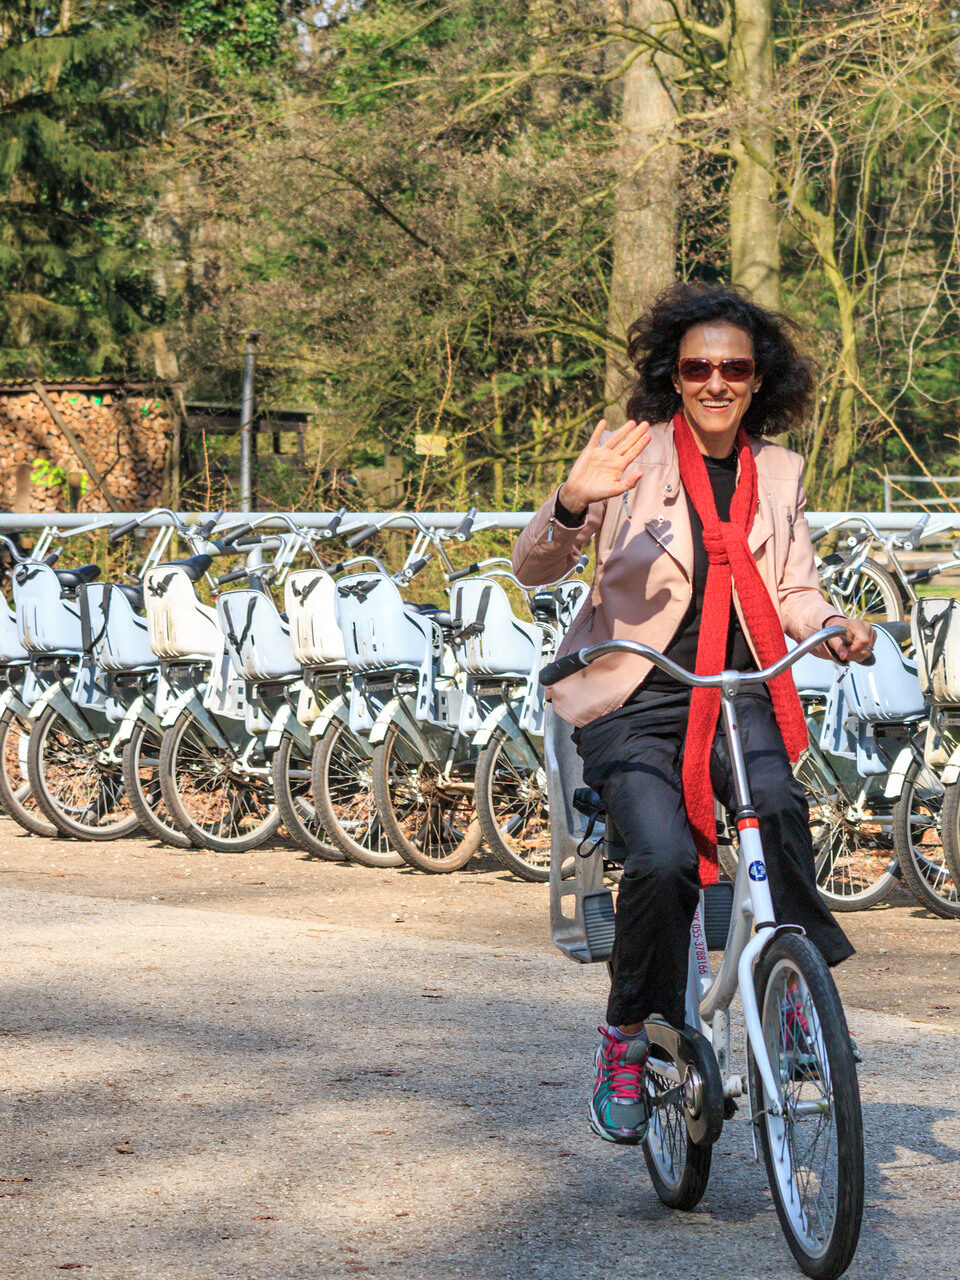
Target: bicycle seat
[[194, 567], [69, 579], [440, 616], [899, 631], [132, 591]]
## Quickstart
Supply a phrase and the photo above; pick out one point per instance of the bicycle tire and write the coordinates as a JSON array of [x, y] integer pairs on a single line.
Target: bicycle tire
[[512, 807], [855, 868], [16, 796], [679, 1168], [806, 1035], [873, 593], [292, 775], [419, 812], [141, 756], [244, 816], [343, 794], [83, 797], [926, 867]]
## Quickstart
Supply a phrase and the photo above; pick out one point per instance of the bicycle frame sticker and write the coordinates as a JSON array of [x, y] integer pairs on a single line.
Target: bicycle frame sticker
[[757, 871]]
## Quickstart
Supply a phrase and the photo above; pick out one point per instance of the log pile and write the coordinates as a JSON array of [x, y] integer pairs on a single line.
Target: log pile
[[125, 435]]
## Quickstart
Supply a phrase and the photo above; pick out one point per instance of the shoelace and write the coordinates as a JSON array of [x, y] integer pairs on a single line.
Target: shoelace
[[625, 1078]]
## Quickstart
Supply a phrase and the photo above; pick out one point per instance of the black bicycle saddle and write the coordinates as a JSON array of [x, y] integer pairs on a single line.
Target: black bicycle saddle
[[195, 567], [70, 579]]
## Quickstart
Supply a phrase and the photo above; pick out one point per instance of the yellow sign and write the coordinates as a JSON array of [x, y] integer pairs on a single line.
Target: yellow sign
[[431, 446]]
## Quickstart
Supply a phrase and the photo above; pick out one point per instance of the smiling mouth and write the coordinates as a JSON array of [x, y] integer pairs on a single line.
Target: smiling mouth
[[716, 405]]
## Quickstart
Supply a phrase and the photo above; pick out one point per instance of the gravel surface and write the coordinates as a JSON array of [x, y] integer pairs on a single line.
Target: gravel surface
[[249, 1068]]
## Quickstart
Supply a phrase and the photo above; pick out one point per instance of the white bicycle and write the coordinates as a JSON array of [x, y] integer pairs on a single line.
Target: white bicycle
[[800, 1077]]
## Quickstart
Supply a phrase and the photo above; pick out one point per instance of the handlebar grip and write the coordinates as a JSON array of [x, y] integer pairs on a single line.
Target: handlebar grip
[[122, 530], [335, 523], [858, 536], [820, 533], [233, 576], [465, 572], [204, 530], [562, 668], [911, 539], [53, 556], [465, 527], [413, 569], [924, 575], [232, 535], [245, 544], [362, 535]]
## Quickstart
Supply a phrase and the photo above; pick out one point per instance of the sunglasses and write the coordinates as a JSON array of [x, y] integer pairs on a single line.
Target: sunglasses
[[700, 369]]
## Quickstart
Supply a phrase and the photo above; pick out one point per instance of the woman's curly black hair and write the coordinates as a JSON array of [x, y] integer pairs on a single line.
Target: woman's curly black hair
[[653, 343]]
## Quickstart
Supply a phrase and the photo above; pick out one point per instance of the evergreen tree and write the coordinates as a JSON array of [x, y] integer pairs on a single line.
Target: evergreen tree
[[78, 106]]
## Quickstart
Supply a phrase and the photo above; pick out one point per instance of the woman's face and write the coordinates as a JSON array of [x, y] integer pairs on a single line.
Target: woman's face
[[715, 408]]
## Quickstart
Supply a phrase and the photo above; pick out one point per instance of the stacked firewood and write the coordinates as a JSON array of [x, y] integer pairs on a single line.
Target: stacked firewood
[[125, 436]]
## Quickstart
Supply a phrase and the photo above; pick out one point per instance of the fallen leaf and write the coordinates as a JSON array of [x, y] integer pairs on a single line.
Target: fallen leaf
[[123, 1149], [264, 1217], [552, 1084], [71, 1266], [19, 1178]]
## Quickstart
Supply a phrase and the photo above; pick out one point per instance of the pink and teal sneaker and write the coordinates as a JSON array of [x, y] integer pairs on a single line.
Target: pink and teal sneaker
[[619, 1111]]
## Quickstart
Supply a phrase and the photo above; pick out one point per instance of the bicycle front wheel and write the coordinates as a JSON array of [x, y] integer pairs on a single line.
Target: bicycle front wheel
[[430, 819], [15, 794], [871, 593], [512, 805], [79, 791], [343, 794], [813, 1149], [919, 820], [141, 777], [854, 857], [217, 803], [293, 787]]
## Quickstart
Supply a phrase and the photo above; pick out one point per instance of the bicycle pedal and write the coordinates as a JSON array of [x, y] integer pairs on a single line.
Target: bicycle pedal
[[598, 923]]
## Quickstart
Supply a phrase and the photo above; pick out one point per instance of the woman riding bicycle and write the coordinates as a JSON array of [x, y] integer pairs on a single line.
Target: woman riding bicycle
[[703, 553]]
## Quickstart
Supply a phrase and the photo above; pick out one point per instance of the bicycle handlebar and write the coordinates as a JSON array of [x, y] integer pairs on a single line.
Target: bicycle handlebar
[[574, 662]]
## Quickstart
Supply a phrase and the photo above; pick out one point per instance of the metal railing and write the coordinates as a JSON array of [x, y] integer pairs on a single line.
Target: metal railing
[[915, 503]]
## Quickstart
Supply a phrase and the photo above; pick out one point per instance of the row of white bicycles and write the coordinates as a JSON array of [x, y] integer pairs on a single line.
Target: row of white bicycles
[[373, 729], [306, 691]]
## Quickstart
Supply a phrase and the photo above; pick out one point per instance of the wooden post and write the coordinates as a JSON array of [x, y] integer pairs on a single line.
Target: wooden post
[[85, 460]]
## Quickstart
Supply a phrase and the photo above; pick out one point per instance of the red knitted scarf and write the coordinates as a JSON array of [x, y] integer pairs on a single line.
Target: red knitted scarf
[[730, 562]]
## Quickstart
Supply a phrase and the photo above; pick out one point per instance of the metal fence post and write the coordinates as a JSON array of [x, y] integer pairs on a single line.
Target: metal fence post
[[246, 420]]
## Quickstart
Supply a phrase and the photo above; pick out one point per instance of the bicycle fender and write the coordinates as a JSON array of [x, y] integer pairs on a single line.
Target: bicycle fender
[[898, 773], [285, 721], [491, 722], [56, 697], [951, 770], [384, 718], [337, 709], [396, 711]]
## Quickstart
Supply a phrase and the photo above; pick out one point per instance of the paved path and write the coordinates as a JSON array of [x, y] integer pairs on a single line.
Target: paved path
[[189, 1093]]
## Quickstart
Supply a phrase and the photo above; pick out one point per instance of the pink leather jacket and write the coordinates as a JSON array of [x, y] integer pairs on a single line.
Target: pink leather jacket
[[644, 566]]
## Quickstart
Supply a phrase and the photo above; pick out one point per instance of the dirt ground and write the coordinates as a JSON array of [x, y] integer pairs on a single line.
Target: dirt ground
[[906, 963]]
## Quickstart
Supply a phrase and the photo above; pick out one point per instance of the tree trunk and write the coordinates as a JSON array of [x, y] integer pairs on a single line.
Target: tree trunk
[[645, 207], [754, 220], [545, 89]]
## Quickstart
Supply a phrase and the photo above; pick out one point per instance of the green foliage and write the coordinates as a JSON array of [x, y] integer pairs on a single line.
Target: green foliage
[[76, 110], [238, 35]]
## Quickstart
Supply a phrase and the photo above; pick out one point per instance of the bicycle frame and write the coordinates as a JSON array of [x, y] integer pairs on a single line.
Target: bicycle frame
[[708, 996]]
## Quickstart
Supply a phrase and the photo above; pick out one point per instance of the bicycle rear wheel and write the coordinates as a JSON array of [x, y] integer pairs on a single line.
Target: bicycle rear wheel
[[15, 794], [919, 820], [431, 820], [871, 593], [679, 1168], [813, 1150]]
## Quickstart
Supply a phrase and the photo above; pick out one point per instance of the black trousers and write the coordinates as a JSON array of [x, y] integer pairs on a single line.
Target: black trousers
[[633, 759]]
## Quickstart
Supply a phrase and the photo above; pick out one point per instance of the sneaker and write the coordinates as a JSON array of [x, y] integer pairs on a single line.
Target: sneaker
[[619, 1110], [801, 1042]]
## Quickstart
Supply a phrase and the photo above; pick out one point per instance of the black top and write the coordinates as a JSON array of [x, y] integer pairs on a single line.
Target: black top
[[657, 692]]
